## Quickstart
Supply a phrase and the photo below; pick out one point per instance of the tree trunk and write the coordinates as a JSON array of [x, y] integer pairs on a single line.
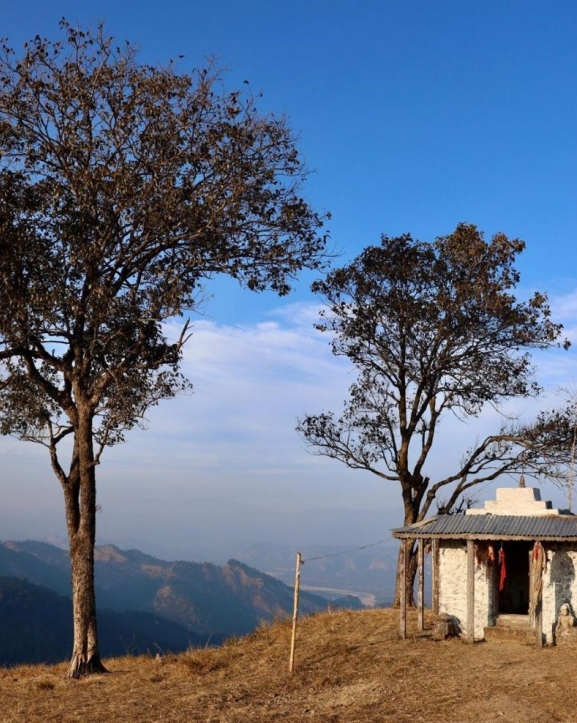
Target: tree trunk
[[411, 516], [410, 579], [80, 500], [85, 651]]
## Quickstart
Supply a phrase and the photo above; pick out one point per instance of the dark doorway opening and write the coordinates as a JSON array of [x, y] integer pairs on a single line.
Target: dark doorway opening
[[514, 597]]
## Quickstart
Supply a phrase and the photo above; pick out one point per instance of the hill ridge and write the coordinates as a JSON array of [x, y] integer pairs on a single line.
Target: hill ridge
[[203, 598]]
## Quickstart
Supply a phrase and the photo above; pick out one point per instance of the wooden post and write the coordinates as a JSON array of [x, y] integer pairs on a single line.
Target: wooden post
[[295, 610], [403, 582], [537, 559], [539, 622], [470, 591], [435, 576], [421, 584]]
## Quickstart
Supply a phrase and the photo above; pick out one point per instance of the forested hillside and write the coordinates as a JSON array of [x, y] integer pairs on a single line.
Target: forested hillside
[[35, 627]]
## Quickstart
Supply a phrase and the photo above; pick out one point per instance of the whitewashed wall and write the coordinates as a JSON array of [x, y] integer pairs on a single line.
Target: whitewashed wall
[[453, 588], [559, 585]]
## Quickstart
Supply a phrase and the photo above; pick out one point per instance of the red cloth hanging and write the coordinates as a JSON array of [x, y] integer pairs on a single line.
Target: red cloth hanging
[[503, 575]]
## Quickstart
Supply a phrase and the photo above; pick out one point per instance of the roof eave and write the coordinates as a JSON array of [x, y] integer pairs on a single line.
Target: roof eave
[[423, 535]]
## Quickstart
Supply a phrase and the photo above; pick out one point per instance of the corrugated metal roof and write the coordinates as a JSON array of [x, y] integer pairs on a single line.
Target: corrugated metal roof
[[494, 527]]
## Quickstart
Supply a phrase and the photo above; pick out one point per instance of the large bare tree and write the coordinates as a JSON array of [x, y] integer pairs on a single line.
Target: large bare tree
[[434, 329], [123, 188]]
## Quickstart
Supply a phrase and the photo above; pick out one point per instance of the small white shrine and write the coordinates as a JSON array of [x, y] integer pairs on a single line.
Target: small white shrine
[[508, 566]]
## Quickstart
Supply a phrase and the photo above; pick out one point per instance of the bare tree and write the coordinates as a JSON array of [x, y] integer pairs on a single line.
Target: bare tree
[[123, 188], [434, 329]]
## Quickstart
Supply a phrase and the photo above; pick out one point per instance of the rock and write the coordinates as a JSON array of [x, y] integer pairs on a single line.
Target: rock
[[444, 627]]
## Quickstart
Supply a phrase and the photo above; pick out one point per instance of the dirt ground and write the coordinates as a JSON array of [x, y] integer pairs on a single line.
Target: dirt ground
[[349, 667]]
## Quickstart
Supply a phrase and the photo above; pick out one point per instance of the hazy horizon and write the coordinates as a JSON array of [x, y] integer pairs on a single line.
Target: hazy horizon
[[412, 117]]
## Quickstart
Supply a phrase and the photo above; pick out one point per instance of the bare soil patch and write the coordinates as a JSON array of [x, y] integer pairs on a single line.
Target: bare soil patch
[[350, 667]]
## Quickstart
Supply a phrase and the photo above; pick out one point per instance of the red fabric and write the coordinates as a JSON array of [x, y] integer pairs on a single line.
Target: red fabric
[[503, 575]]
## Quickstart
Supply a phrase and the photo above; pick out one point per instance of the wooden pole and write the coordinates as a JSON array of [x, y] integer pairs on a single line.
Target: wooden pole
[[403, 580], [435, 576], [295, 610], [421, 585], [539, 622], [536, 582], [470, 591]]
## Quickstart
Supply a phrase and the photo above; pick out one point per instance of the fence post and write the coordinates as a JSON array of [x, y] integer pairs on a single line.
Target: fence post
[[295, 610]]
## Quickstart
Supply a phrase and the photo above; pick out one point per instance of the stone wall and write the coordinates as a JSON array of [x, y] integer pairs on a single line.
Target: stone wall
[[453, 587], [559, 585]]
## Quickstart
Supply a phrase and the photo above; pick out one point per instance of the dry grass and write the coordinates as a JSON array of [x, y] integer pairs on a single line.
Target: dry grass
[[349, 667]]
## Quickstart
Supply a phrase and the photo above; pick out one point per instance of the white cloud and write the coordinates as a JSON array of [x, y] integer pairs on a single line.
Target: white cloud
[[233, 440]]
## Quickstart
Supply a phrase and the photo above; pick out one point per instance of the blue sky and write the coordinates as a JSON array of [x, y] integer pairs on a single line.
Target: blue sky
[[414, 116]]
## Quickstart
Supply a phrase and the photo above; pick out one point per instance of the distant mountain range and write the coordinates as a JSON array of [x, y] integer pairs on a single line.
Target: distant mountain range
[[144, 603], [370, 570]]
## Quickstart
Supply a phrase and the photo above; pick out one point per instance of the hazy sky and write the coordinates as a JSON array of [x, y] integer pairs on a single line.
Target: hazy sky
[[414, 116]]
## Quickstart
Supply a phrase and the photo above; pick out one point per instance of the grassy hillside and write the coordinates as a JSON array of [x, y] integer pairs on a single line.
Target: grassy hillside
[[349, 668]]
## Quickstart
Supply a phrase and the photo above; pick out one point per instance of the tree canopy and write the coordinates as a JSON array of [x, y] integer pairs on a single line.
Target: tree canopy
[[432, 329], [123, 188]]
